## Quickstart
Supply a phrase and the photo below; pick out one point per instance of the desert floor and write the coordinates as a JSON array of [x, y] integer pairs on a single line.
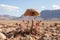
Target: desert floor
[[29, 30]]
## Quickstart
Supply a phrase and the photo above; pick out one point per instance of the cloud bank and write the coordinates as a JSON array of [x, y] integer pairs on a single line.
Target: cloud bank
[[9, 7], [53, 7], [43, 7], [56, 6]]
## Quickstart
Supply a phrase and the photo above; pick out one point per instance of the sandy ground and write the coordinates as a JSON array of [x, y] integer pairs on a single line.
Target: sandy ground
[[24, 30]]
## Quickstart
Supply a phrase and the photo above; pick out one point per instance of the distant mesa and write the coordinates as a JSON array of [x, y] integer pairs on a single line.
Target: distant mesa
[[31, 12], [50, 14], [44, 14]]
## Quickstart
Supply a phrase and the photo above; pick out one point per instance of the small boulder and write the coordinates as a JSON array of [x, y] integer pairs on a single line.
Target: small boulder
[[2, 36]]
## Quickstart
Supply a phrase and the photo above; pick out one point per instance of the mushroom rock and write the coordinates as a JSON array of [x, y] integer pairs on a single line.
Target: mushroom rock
[[31, 12]]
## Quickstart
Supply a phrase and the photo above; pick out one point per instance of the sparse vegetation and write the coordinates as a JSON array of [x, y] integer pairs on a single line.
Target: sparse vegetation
[[21, 30]]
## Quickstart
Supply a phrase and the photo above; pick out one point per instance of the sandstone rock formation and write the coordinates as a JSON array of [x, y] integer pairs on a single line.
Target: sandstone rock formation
[[31, 12]]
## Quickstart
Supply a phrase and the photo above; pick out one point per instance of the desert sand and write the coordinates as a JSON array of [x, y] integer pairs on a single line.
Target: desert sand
[[24, 30]]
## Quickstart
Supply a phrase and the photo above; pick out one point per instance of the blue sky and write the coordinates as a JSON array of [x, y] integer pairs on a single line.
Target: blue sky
[[18, 7]]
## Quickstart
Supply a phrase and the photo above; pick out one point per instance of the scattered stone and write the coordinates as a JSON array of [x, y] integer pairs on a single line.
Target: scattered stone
[[2, 36]]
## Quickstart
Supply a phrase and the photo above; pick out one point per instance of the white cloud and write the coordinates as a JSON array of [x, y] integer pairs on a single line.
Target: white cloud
[[56, 6], [42, 7], [9, 7]]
